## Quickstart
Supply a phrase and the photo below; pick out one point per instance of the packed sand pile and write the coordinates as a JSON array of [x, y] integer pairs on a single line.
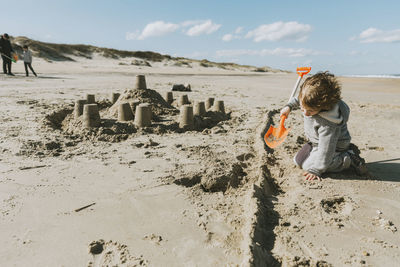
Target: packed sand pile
[[137, 96]]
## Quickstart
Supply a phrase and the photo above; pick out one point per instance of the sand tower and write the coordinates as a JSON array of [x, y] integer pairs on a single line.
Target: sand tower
[[114, 97], [219, 106], [186, 117], [169, 97], [140, 82], [91, 116], [143, 115], [78, 108], [209, 102], [125, 112], [90, 99], [183, 100], [199, 108], [134, 104]]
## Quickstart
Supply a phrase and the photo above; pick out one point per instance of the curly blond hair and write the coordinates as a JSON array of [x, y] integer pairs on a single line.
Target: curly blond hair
[[320, 91]]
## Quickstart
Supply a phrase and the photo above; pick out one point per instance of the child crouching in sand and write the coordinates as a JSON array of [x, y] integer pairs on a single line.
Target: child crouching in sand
[[325, 126]]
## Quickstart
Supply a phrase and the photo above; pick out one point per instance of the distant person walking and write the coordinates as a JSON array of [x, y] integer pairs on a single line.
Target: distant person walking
[[28, 60], [6, 49]]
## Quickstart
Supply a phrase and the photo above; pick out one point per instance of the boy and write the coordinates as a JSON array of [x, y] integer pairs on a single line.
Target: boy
[[325, 125], [28, 60]]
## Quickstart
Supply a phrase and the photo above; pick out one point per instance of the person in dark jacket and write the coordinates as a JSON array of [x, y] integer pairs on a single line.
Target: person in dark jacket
[[6, 50]]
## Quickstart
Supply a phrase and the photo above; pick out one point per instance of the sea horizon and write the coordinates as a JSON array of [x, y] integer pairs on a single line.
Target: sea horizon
[[391, 76]]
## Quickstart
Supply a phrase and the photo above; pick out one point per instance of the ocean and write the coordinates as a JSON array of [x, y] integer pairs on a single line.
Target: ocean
[[395, 76]]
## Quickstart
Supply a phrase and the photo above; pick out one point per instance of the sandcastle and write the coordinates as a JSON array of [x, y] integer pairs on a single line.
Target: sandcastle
[[136, 111]]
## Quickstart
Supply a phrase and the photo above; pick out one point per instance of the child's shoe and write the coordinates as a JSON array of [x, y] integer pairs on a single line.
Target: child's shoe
[[358, 163], [346, 162]]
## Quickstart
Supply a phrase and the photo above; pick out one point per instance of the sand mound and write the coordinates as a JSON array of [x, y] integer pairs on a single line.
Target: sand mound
[[132, 96], [221, 170]]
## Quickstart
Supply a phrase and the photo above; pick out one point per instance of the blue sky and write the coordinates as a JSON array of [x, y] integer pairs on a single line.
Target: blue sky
[[345, 37]]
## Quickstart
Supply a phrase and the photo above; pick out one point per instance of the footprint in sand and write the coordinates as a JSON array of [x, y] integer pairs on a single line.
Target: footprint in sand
[[333, 204], [112, 253]]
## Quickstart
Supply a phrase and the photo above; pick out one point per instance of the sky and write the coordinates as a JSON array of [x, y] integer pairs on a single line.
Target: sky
[[350, 37]]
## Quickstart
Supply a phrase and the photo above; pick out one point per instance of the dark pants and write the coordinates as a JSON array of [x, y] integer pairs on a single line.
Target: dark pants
[[26, 64], [303, 154], [6, 64]]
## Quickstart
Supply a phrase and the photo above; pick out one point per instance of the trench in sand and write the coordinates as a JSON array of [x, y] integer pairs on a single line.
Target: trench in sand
[[262, 236], [287, 207]]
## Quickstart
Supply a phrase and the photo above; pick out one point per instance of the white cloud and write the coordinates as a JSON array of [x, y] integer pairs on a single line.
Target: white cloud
[[191, 22], [238, 30], [288, 52], [236, 35], [373, 35], [227, 37], [156, 28], [160, 28], [277, 31], [206, 27]]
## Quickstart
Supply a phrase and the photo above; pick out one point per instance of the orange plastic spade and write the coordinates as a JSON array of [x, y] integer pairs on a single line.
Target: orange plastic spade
[[275, 136], [303, 70], [14, 57]]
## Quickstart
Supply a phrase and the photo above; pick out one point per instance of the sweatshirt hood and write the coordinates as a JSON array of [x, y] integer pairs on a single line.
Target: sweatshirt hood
[[338, 114]]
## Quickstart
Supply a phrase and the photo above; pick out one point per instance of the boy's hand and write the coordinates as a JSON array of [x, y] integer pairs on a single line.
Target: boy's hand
[[285, 111], [311, 177]]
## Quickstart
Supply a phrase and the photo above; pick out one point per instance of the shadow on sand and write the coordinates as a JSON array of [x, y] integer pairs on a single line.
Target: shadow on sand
[[383, 170], [51, 77]]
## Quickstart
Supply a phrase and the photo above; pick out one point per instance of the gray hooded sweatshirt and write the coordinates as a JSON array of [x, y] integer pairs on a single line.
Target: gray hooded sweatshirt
[[27, 56], [327, 131]]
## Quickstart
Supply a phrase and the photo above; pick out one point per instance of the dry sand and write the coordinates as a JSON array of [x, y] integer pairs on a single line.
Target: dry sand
[[211, 197]]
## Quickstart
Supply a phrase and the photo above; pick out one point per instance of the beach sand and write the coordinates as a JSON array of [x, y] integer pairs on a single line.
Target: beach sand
[[215, 196]]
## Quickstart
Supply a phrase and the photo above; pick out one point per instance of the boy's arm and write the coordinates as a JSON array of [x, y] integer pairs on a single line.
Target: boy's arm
[[293, 103], [319, 161]]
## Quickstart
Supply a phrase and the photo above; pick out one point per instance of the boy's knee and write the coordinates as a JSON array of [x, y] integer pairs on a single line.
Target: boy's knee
[[302, 154]]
